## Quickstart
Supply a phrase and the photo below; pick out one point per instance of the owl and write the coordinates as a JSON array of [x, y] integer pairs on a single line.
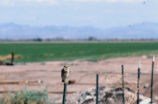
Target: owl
[[65, 74]]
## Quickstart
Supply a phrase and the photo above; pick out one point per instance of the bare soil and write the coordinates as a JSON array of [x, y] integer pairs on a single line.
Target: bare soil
[[84, 74]]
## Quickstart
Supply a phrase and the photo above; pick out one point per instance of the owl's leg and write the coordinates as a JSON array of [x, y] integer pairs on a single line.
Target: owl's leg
[[67, 80]]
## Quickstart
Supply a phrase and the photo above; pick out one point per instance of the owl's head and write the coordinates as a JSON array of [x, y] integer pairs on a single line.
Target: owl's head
[[66, 66]]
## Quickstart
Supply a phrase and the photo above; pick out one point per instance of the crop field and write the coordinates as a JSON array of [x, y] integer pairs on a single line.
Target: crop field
[[35, 52], [40, 75]]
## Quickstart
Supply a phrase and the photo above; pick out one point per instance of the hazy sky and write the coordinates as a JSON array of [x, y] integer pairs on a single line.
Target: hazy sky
[[96, 13]]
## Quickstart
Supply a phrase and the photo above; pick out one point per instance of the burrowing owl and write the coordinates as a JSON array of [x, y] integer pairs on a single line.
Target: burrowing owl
[[65, 74]]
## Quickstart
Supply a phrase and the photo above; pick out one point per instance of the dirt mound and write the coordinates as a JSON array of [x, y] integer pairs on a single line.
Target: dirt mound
[[108, 95]]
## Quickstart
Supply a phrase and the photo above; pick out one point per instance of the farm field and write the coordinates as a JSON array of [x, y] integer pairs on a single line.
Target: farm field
[[35, 52], [44, 62]]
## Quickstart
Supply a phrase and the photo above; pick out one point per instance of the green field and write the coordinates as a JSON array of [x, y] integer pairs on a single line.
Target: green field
[[34, 52]]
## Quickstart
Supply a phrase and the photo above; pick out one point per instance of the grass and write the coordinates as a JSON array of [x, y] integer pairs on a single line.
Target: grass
[[35, 52]]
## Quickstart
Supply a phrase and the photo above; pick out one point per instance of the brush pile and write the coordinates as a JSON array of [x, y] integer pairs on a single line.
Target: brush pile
[[108, 95]]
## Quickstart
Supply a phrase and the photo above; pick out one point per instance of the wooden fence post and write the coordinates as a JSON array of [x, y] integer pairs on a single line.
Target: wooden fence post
[[152, 78], [64, 93], [97, 88], [12, 58], [123, 85]]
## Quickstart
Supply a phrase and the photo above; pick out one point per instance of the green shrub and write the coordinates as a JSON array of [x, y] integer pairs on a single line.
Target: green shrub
[[26, 97]]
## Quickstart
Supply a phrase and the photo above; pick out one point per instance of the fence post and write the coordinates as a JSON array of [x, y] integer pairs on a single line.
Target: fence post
[[138, 80], [152, 78], [64, 93], [12, 58], [97, 88], [123, 85]]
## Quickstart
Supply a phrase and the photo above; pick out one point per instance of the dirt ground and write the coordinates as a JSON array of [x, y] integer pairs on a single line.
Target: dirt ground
[[84, 74]]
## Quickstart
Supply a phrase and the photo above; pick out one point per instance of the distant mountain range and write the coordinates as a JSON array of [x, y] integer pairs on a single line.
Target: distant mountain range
[[137, 31]]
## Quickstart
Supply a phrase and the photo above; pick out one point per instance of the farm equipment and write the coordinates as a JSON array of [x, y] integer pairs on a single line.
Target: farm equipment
[[11, 57]]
